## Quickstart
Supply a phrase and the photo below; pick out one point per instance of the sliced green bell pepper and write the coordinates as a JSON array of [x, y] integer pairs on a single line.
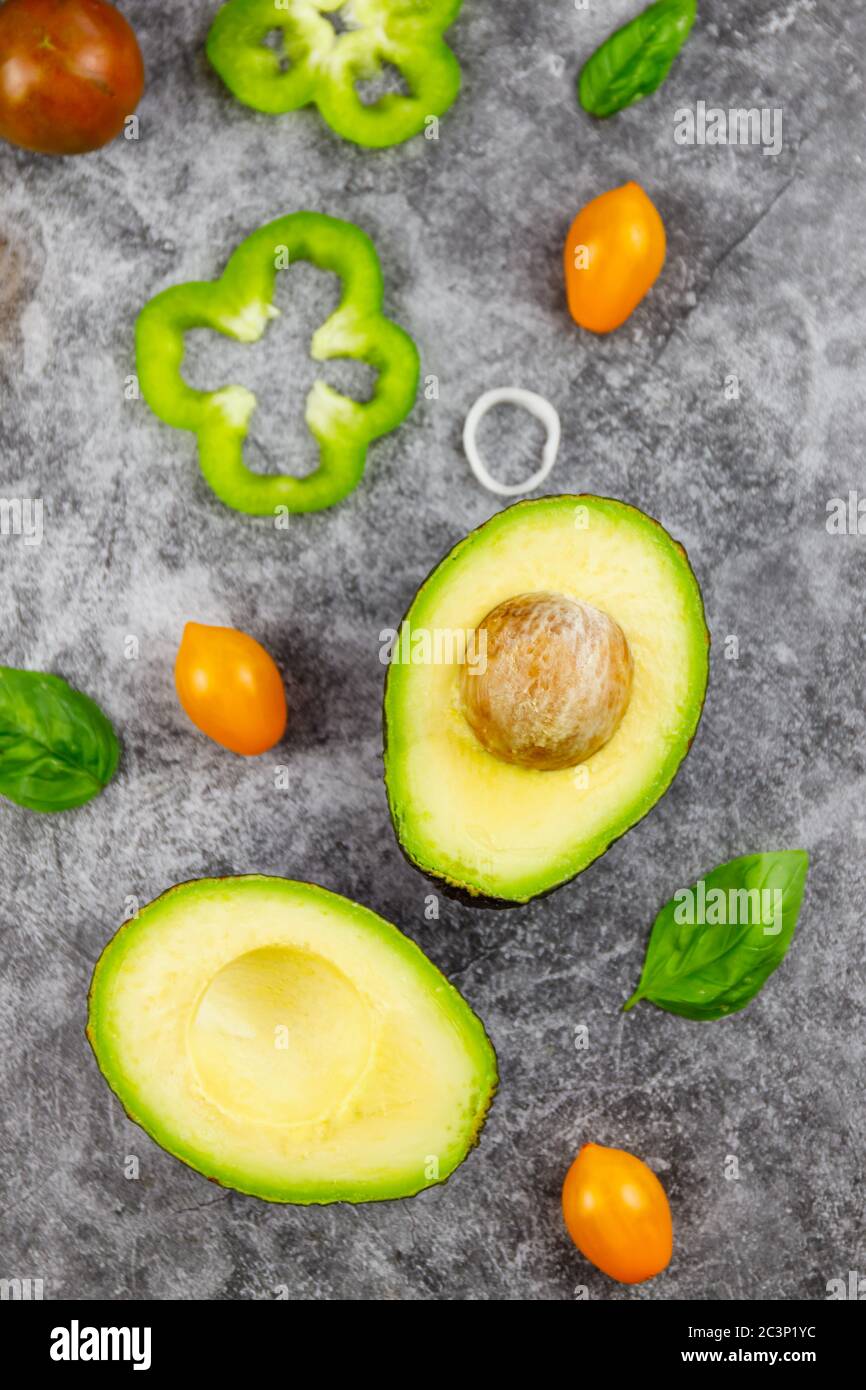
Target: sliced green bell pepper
[[320, 66], [240, 304]]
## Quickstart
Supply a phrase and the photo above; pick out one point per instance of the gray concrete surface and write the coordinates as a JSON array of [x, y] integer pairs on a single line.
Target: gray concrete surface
[[766, 281]]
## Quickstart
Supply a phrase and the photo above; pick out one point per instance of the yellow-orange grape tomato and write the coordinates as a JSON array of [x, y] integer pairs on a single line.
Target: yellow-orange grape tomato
[[230, 688], [614, 253], [617, 1214]]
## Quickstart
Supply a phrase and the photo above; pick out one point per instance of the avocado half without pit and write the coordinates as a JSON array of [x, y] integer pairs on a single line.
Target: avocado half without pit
[[289, 1043], [569, 691]]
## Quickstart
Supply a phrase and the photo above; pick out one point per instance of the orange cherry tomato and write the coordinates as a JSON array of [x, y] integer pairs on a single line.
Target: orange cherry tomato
[[617, 1214], [230, 688], [614, 252]]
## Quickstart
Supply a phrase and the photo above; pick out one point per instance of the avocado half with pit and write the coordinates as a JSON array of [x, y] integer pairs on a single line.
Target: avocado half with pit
[[289, 1043], [545, 686]]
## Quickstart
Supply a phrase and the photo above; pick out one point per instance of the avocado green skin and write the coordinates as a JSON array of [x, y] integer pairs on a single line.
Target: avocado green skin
[[312, 1194], [464, 893]]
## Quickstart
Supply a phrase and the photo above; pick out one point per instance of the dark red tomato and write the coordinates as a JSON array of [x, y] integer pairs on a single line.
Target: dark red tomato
[[70, 74]]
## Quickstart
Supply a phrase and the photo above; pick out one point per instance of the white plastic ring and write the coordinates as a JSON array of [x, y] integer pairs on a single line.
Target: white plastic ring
[[537, 406]]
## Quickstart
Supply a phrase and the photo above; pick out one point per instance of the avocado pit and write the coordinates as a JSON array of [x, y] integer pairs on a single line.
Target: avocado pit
[[555, 685]]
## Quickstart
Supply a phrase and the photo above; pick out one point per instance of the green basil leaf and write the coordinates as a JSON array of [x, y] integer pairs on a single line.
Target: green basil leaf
[[713, 946], [57, 749], [636, 59]]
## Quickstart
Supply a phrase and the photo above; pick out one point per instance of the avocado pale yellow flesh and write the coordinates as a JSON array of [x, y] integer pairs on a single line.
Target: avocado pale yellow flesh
[[505, 832], [289, 1043]]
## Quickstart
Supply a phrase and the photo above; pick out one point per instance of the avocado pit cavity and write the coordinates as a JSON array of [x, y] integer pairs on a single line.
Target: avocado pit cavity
[[281, 1037], [556, 683]]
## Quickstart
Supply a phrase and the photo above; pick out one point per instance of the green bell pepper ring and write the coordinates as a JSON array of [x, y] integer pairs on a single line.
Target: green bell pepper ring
[[320, 66], [240, 304]]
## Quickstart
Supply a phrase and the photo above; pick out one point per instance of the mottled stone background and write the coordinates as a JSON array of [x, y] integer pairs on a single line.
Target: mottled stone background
[[766, 280]]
